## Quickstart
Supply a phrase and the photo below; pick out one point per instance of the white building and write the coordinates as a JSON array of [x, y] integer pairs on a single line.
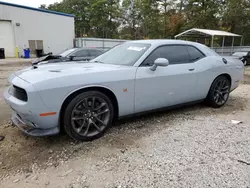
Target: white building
[[26, 27]]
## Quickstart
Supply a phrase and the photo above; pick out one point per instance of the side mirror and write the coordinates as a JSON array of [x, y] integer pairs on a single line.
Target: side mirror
[[162, 62]]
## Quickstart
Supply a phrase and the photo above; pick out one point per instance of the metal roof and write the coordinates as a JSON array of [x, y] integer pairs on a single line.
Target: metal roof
[[206, 32], [36, 9]]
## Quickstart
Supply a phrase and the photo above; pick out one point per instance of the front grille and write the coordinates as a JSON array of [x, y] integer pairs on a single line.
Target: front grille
[[19, 93]]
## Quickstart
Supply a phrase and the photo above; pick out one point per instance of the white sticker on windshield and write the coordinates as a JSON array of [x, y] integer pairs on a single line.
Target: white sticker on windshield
[[135, 48]]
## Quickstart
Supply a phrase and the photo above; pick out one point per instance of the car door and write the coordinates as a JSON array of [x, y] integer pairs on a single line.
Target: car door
[[166, 86]]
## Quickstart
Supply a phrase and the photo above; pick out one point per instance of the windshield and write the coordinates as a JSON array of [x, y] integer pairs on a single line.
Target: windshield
[[66, 52], [239, 54], [123, 54]]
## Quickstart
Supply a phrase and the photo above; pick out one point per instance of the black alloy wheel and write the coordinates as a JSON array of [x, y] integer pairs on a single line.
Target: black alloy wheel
[[219, 92], [88, 115]]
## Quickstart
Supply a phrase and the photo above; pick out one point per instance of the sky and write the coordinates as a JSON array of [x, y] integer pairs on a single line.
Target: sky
[[32, 3]]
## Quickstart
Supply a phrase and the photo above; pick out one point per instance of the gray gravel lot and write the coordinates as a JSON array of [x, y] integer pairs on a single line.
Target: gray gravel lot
[[195, 146]]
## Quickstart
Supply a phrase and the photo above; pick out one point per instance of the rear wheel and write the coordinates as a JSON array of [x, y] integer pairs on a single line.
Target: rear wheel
[[88, 116], [219, 92]]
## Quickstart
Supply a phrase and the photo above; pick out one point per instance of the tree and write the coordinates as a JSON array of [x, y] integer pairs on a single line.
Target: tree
[[202, 14], [131, 19], [105, 16], [140, 19], [236, 18]]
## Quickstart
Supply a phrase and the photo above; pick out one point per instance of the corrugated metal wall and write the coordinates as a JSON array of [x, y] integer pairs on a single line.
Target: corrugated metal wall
[[97, 42]]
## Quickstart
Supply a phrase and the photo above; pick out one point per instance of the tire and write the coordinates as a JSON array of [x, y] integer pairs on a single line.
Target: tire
[[219, 92], [88, 115]]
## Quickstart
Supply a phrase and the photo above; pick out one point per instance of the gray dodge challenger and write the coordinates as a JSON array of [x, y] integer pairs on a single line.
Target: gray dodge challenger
[[84, 99]]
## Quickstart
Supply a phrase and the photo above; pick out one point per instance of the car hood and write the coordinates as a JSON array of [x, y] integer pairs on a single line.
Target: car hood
[[49, 71]]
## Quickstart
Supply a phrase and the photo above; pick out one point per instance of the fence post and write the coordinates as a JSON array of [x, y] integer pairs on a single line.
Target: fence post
[[223, 42], [232, 46]]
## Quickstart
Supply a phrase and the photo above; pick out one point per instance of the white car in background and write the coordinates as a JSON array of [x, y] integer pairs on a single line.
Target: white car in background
[[131, 78]]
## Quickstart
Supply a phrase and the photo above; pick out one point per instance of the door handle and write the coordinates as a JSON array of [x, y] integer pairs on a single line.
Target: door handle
[[192, 69]]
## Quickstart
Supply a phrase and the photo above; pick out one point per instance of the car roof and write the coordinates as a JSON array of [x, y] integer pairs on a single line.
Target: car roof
[[163, 41], [158, 42]]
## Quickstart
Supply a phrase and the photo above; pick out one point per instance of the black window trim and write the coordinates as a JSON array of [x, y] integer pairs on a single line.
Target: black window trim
[[141, 65]]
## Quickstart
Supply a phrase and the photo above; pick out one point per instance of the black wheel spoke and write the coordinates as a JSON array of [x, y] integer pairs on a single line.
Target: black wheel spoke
[[224, 82], [102, 112], [85, 102], [100, 106], [93, 103], [220, 84], [78, 118], [87, 129], [221, 98], [224, 88], [216, 98], [100, 121], [224, 92], [78, 111], [82, 125], [96, 126]]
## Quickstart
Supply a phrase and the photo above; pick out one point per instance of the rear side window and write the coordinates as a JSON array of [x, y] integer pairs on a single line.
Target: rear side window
[[194, 53], [95, 52], [81, 53], [175, 54]]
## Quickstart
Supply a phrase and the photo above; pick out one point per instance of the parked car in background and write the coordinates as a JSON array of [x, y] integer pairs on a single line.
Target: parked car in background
[[243, 56], [74, 54], [133, 77]]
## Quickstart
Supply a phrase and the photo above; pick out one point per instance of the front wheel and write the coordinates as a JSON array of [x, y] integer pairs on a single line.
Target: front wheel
[[219, 92], [88, 116]]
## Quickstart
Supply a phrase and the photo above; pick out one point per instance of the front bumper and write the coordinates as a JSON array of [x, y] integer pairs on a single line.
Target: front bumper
[[32, 130], [26, 114]]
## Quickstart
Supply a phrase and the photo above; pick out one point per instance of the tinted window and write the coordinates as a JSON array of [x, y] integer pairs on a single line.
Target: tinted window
[[80, 53], [194, 53], [95, 53], [174, 54]]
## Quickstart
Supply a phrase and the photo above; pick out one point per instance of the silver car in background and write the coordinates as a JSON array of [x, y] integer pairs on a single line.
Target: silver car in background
[[131, 78]]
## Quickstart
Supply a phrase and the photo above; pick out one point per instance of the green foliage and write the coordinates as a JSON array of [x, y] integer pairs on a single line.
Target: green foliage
[[140, 19]]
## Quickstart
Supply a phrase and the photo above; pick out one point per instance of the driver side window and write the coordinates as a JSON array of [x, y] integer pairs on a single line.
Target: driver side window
[[175, 54]]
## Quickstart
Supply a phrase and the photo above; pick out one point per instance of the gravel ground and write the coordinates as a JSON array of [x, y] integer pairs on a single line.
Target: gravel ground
[[195, 146]]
